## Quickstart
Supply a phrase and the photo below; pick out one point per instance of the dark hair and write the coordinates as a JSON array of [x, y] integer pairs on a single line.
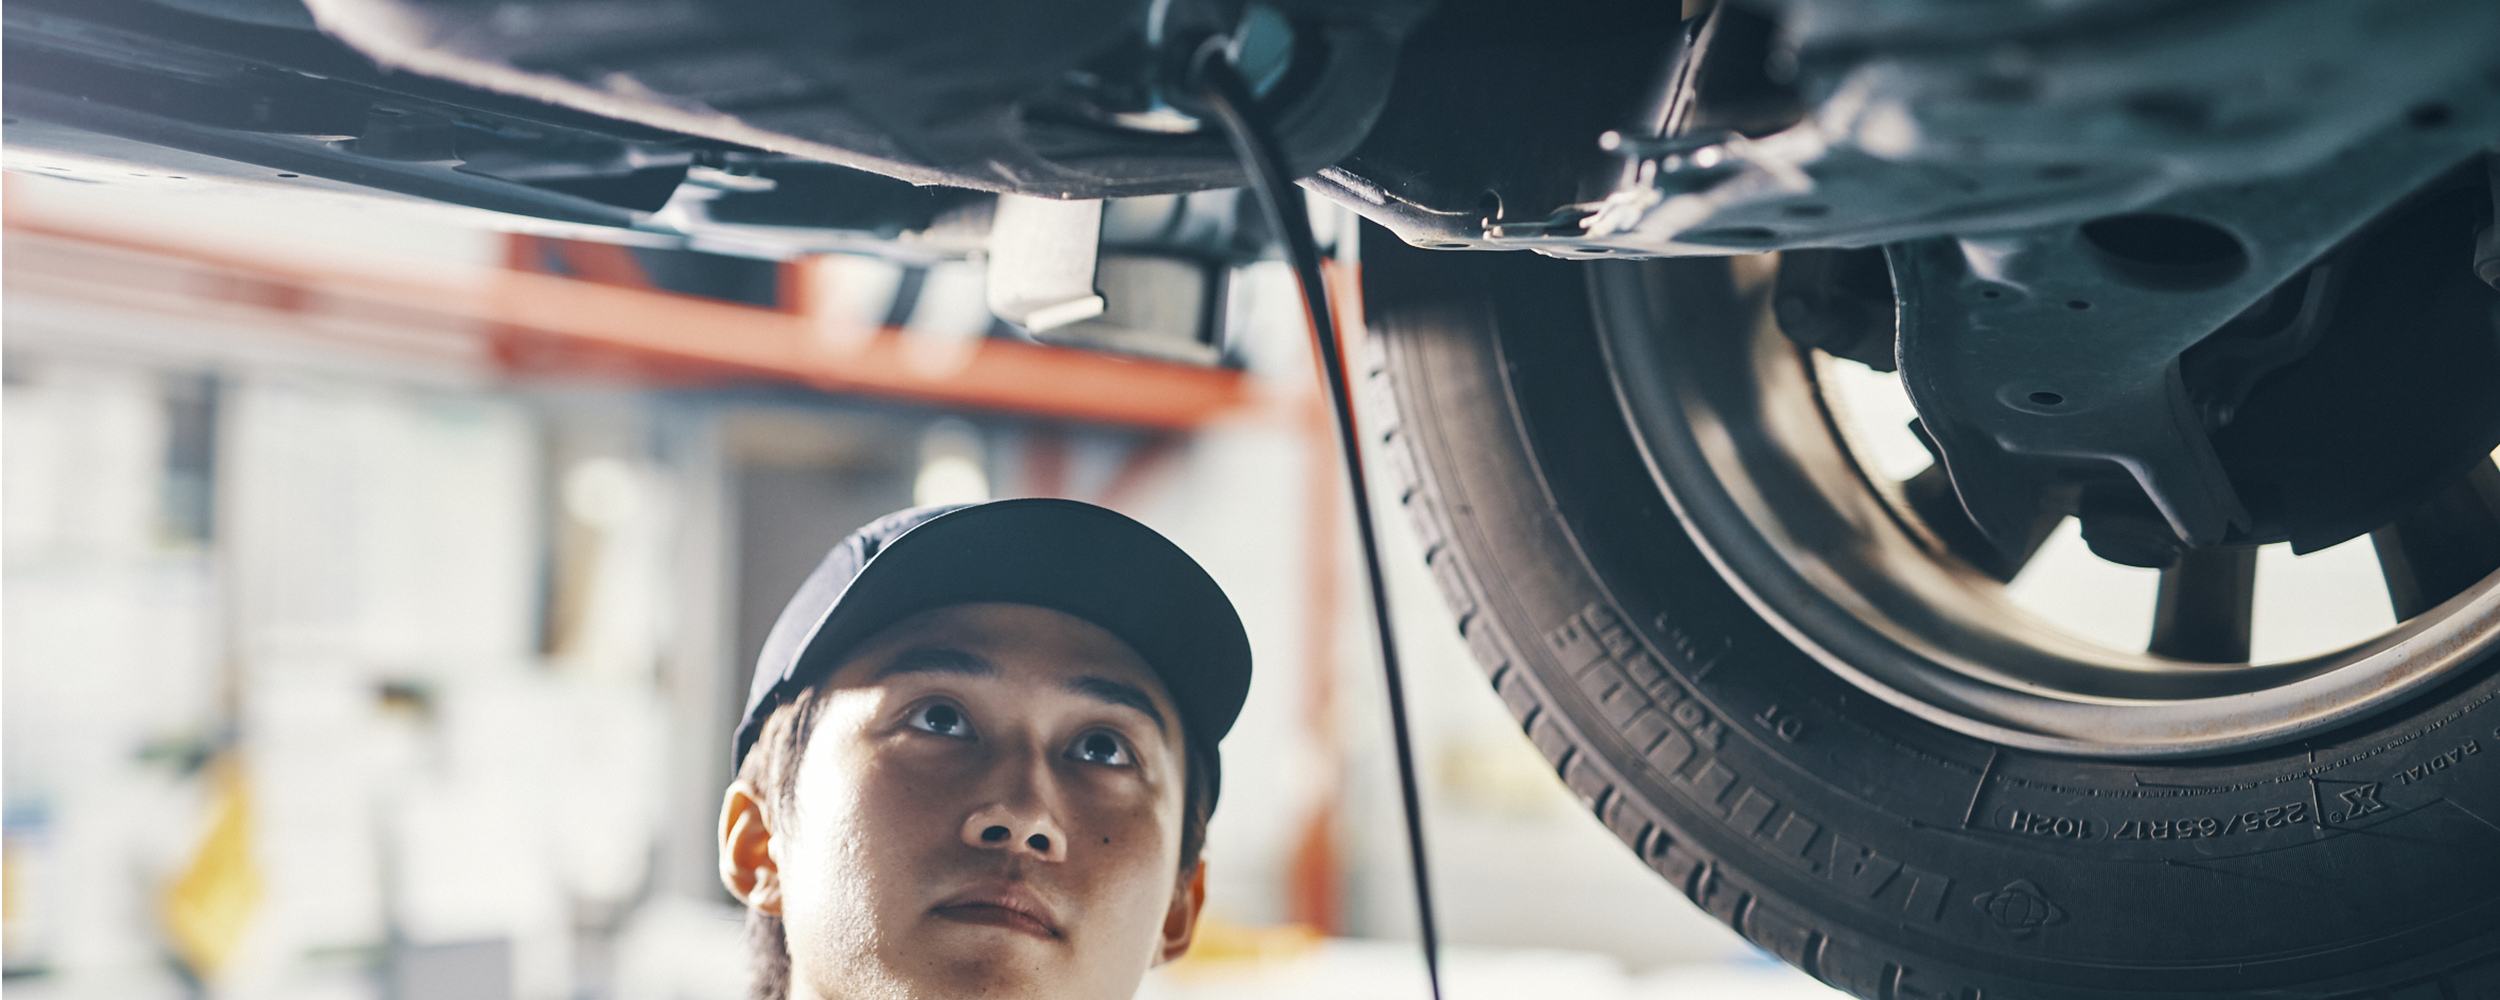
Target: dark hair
[[771, 767]]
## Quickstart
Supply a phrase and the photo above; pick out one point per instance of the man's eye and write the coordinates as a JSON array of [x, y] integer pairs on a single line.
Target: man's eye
[[942, 719], [1099, 747]]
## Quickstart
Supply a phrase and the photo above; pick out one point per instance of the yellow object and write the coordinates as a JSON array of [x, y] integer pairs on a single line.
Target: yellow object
[[1227, 946], [208, 907]]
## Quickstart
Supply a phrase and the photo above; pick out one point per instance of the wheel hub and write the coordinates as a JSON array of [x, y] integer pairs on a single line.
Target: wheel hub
[[1858, 572]]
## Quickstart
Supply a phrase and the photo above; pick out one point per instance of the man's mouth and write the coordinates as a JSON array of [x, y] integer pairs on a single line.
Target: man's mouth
[[1007, 905]]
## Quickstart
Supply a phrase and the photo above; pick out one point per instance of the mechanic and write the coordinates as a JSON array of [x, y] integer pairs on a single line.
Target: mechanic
[[979, 756]]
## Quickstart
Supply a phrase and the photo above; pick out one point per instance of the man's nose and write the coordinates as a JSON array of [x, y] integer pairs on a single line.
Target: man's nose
[[1020, 819], [1026, 829]]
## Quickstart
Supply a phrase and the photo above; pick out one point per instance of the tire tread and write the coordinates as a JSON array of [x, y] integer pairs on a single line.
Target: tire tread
[[1770, 926]]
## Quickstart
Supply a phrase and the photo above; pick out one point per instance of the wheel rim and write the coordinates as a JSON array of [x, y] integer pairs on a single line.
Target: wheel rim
[[1731, 417]]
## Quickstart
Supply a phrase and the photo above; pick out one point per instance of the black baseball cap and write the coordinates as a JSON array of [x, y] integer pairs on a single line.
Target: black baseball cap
[[1073, 557]]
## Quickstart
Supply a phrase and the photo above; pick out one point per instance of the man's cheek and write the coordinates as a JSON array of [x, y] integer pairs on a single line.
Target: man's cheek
[[915, 829], [868, 832], [1132, 846], [920, 800], [875, 875]]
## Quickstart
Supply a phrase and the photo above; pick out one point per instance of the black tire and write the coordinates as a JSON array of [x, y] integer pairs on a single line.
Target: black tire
[[1881, 853]]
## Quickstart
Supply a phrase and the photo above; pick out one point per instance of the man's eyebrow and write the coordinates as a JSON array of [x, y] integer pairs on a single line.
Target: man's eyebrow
[[1114, 692], [937, 660]]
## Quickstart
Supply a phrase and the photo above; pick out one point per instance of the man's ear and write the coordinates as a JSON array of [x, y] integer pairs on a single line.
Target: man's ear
[[746, 850], [1180, 922]]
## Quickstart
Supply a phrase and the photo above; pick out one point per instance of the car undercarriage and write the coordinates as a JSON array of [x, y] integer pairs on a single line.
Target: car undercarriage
[[2198, 278]]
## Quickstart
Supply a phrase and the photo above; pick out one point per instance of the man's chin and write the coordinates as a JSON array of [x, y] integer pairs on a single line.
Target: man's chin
[[986, 956]]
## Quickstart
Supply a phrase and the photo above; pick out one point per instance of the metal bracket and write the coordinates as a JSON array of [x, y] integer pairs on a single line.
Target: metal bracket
[[1042, 257], [2025, 349]]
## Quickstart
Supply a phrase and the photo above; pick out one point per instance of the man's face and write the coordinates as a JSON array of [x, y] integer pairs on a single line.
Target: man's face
[[990, 805]]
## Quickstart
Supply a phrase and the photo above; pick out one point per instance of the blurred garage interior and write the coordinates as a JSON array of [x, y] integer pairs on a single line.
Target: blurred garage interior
[[380, 586]]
